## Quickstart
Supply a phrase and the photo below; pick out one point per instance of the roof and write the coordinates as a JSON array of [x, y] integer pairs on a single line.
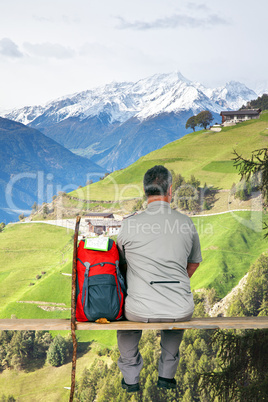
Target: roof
[[243, 112], [102, 214], [106, 222]]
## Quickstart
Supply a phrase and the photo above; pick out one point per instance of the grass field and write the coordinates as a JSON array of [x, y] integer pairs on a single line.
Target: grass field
[[45, 384], [230, 243], [205, 154], [25, 252]]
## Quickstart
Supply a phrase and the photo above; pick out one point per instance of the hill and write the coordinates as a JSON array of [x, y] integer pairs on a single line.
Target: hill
[[34, 167], [205, 154], [116, 124], [230, 243], [229, 248], [29, 250]]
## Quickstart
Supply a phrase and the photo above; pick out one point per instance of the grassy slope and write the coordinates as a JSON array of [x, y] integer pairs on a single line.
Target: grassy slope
[[230, 243], [205, 154], [229, 247], [44, 384], [28, 249], [25, 251]]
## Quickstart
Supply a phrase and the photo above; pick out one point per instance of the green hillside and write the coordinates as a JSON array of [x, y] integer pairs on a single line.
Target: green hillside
[[204, 154], [230, 243], [46, 383], [28, 250]]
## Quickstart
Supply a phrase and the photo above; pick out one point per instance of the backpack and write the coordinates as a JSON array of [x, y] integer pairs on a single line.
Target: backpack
[[100, 288]]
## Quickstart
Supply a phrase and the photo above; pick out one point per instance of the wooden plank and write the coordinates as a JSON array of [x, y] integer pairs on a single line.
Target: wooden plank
[[35, 324], [194, 323]]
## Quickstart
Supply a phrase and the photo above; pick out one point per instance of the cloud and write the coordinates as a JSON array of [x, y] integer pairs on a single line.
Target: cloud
[[9, 48], [174, 21], [199, 7], [50, 50]]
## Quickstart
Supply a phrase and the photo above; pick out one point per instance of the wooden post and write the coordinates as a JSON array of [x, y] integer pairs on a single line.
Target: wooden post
[[74, 308]]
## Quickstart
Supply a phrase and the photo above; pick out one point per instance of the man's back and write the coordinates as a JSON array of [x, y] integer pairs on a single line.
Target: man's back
[[157, 245], [161, 250]]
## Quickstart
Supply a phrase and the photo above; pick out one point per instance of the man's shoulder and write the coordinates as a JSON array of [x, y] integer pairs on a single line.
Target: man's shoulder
[[179, 215], [132, 220]]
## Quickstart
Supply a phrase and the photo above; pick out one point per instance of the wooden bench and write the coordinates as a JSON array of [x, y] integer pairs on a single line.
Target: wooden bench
[[194, 323]]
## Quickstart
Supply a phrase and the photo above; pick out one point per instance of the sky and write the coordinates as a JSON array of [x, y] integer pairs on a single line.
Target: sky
[[53, 48]]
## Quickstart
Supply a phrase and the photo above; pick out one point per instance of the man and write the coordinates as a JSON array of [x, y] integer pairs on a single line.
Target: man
[[160, 251]]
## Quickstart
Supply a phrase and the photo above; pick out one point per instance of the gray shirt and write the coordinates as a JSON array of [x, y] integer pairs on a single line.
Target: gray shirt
[[157, 245]]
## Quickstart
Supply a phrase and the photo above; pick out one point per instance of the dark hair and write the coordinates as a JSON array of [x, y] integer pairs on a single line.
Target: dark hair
[[157, 181]]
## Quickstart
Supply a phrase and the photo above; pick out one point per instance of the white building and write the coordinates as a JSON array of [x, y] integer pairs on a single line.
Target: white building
[[232, 117]]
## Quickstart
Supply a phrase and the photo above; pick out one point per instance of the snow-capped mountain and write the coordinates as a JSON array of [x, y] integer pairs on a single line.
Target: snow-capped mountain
[[231, 96], [101, 123], [161, 93]]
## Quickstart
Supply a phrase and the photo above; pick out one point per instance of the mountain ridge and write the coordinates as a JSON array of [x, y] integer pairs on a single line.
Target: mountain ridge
[[120, 117], [34, 168], [127, 99]]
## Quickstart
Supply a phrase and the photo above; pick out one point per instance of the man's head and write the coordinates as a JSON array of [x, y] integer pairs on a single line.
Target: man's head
[[157, 182]]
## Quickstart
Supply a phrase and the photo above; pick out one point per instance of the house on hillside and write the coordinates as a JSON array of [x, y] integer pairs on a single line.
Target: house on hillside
[[230, 118], [101, 226], [99, 215]]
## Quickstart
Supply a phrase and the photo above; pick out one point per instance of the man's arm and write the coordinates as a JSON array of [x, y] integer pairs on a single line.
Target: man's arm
[[123, 270], [191, 268], [121, 250]]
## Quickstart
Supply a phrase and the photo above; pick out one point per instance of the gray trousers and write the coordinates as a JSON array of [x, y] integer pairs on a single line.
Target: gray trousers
[[130, 361]]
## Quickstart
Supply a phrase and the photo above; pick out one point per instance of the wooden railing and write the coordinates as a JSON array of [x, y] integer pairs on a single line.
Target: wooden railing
[[194, 323]]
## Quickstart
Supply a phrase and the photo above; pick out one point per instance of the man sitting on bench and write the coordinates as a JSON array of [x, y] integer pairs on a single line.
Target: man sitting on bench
[[160, 250]]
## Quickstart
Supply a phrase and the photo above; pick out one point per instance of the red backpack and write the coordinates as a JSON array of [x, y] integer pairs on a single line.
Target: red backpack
[[100, 288]]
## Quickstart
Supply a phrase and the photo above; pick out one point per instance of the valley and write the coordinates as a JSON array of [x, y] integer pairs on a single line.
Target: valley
[[205, 154], [37, 257]]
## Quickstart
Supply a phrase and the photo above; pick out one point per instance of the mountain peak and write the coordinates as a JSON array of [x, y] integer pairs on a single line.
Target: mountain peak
[[148, 97]]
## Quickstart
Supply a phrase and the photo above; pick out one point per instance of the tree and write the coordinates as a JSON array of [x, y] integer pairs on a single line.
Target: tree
[[34, 207], [137, 206], [203, 119], [191, 123], [21, 217], [255, 168], [2, 226], [194, 182], [57, 351], [251, 301], [9, 398], [242, 373], [260, 103], [45, 209]]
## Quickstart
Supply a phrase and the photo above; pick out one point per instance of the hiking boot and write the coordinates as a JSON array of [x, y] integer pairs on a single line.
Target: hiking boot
[[168, 383], [130, 387]]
